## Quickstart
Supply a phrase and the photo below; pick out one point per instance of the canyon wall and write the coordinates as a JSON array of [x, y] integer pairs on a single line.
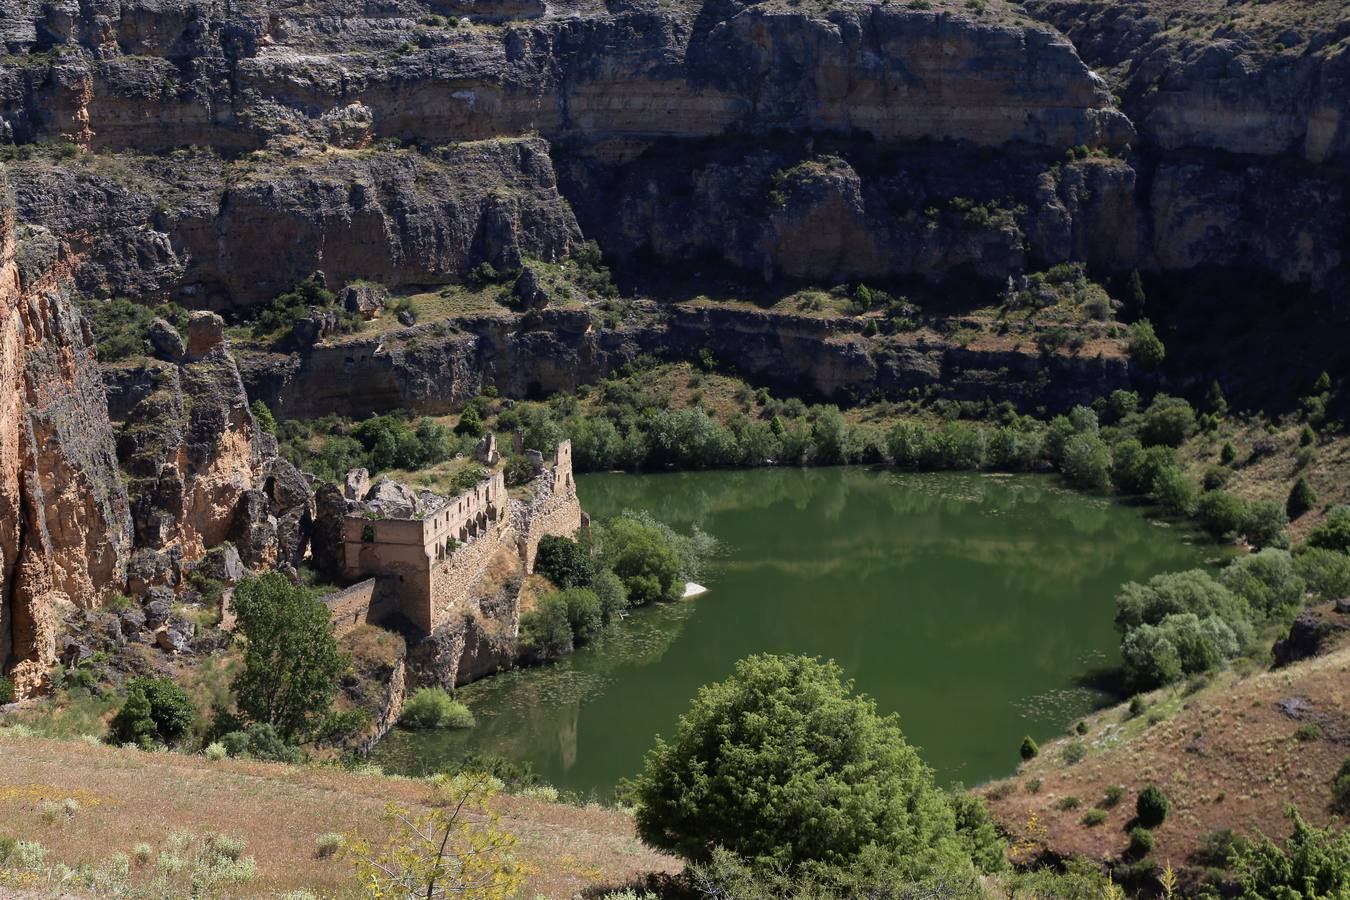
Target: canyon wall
[[65, 530], [784, 142]]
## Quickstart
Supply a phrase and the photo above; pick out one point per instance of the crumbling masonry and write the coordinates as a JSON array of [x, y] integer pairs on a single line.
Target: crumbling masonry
[[429, 561]]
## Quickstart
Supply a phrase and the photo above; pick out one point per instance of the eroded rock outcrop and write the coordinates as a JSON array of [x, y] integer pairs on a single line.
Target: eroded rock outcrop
[[201, 470], [65, 531]]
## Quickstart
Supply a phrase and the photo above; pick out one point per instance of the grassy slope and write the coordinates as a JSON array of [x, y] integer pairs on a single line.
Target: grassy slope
[[1225, 756], [129, 796]]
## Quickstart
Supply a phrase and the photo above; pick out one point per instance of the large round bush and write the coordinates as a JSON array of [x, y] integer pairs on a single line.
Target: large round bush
[[785, 766]]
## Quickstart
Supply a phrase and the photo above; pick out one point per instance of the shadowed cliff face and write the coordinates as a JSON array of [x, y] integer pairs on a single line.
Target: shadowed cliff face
[[64, 526]]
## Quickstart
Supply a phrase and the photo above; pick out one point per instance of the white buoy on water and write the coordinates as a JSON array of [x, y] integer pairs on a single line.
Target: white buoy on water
[[693, 590]]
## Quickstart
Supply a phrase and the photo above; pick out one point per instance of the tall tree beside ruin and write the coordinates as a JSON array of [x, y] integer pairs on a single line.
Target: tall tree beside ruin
[[291, 658]]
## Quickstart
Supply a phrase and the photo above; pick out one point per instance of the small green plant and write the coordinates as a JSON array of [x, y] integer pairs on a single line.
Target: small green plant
[[1081, 727], [432, 707], [1141, 842], [266, 421], [141, 853], [1113, 795], [1308, 731], [1034, 786], [1151, 806], [1068, 803], [1094, 817], [1073, 752], [6, 690], [327, 844], [1137, 706], [215, 751], [1029, 749]]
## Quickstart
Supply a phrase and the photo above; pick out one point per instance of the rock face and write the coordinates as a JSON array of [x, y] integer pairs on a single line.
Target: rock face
[[239, 78], [245, 233], [868, 141], [65, 532], [201, 471]]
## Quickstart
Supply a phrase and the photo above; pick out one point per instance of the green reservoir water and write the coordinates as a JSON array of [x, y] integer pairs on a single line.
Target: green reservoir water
[[970, 605]]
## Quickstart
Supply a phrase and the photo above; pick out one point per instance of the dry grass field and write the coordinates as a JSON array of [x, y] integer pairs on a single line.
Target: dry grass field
[[1233, 755], [127, 797]]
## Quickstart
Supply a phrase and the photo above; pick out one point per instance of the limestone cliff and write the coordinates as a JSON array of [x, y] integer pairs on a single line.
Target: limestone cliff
[[237, 77], [65, 531], [212, 233]]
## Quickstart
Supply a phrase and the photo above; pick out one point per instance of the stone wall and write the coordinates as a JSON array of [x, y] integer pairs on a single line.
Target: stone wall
[[452, 579], [351, 606], [555, 508]]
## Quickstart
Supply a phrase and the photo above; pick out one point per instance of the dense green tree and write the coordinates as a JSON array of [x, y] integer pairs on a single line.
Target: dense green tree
[[1326, 573], [156, 711], [978, 833], [390, 444], [906, 444], [547, 629], [1181, 644], [1269, 583], [121, 326], [783, 765], [584, 613], [1087, 462], [1150, 807], [643, 559], [1340, 788], [1145, 347], [1265, 523], [1215, 400], [832, 437], [1301, 498], [260, 741], [613, 596], [1119, 404], [596, 443], [291, 658], [1334, 533], [263, 416], [1168, 421], [1029, 749], [1173, 491], [1221, 514], [563, 561], [470, 422], [1192, 591]]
